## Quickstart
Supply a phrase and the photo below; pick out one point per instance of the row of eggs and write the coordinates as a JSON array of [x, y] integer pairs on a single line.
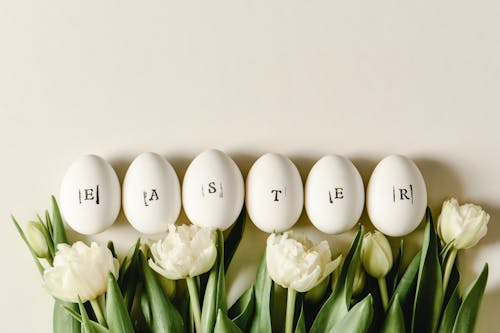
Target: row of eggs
[[213, 194]]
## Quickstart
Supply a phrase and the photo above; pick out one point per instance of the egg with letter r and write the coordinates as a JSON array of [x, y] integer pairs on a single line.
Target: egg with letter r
[[274, 193], [213, 190], [90, 195], [334, 194], [396, 196], [151, 194]]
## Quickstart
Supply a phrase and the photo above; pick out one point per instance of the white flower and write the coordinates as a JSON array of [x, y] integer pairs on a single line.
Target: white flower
[[294, 262], [80, 271], [36, 239], [186, 251], [376, 254], [464, 225]]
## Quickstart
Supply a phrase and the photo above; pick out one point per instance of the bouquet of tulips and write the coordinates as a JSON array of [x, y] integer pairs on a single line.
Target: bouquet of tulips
[[177, 284]]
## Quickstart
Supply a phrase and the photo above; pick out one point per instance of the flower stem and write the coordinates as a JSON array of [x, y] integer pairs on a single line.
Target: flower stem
[[195, 302], [290, 309], [98, 312], [383, 292], [449, 267]]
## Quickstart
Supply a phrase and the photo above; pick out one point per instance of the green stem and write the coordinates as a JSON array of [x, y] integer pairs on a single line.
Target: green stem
[[290, 309], [383, 292], [98, 312], [449, 267], [195, 302]]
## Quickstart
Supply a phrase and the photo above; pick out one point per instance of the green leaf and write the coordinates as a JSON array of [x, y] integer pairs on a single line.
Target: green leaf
[[146, 310], [86, 323], [215, 292], [392, 277], [165, 317], [59, 233], [98, 328], [62, 321], [234, 238], [301, 322], [242, 311], [429, 293], [467, 314], [358, 319], [338, 303], [264, 287], [117, 314], [405, 290], [394, 320], [129, 276], [111, 247], [224, 325], [450, 312]]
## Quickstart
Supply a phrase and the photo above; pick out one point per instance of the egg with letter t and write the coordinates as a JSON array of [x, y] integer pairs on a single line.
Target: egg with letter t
[[90, 195], [334, 194], [396, 196], [213, 190], [274, 193], [151, 194]]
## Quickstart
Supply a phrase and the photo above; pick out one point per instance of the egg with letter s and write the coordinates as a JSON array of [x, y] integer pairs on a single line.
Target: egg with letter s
[[334, 194], [396, 196], [213, 190], [90, 195], [151, 194], [274, 193]]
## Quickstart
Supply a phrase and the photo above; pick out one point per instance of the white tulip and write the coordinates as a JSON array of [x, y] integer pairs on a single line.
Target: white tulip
[[80, 271], [186, 251], [376, 255], [36, 239], [294, 262], [463, 225]]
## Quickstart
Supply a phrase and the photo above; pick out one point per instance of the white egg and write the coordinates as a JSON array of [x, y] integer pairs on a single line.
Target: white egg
[[396, 196], [90, 195], [213, 190], [334, 194], [274, 193], [151, 194]]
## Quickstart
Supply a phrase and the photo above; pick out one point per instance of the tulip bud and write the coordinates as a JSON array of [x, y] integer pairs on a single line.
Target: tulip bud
[[376, 255], [37, 240], [359, 281], [463, 225]]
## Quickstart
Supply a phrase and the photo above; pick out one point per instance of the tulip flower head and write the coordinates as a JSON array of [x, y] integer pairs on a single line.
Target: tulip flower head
[[376, 254], [186, 251], [36, 239], [294, 262], [80, 271], [463, 225]]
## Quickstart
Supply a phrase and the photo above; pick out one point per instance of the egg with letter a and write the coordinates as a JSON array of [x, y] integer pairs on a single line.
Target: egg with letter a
[[396, 196], [90, 195], [334, 194], [274, 193], [213, 190], [151, 194]]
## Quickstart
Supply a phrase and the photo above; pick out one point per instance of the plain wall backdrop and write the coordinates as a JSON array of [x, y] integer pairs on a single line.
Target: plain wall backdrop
[[301, 78]]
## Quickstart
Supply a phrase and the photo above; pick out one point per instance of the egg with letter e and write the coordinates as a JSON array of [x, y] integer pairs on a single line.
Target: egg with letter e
[[274, 193], [90, 195], [213, 190], [396, 196], [334, 194], [151, 194]]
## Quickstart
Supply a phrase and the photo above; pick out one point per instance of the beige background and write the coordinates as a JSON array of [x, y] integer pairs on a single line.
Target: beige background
[[363, 79]]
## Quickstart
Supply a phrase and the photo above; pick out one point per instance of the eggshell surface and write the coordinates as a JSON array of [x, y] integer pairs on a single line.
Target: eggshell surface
[[334, 194], [396, 196], [90, 195], [151, 194], [274, 193], [213, 190]]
